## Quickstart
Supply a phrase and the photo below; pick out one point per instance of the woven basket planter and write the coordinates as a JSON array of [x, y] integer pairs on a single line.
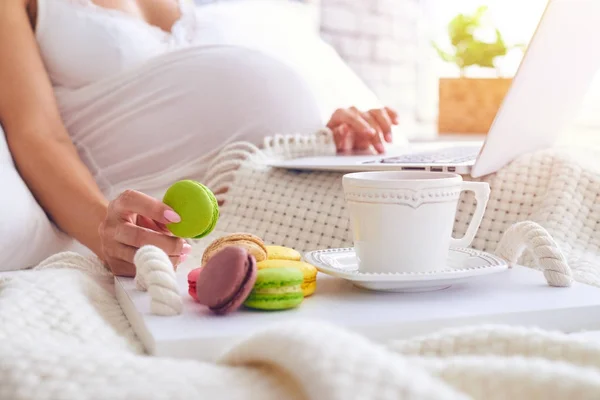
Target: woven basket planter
[[469, 105]]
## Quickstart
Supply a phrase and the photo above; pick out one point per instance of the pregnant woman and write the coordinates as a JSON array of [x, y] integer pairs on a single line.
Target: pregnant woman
[[105, 101]]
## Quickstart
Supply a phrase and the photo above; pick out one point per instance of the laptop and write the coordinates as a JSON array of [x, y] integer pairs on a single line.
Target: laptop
[[546, 92]]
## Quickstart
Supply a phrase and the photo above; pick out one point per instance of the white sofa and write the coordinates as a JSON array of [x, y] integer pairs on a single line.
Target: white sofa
[[27, 235]]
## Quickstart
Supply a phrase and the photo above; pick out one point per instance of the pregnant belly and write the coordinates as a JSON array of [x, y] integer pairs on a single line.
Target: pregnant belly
[[180, 108]]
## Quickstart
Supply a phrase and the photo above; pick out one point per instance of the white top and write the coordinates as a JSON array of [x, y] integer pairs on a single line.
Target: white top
[[145, 107], [73, 35]]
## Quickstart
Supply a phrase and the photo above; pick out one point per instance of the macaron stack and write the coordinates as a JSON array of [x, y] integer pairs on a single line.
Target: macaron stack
[[279, 279], [197, 207], [284, 257], [225, 282]]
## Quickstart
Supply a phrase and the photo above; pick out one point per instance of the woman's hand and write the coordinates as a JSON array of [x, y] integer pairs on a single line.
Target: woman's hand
[[132, 221], [357, 130]]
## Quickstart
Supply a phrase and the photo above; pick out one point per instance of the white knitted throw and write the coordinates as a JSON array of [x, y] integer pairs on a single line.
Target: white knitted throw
[[550, 201], [64, 336]]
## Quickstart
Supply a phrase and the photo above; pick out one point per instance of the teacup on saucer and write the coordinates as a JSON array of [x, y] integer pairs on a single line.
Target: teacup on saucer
[[402, 221]]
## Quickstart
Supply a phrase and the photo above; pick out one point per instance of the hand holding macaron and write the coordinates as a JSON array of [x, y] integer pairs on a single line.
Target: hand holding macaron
[[188, 210], [133, 220]]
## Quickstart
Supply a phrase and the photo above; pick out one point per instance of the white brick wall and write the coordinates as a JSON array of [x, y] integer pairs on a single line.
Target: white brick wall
[[379, 39]]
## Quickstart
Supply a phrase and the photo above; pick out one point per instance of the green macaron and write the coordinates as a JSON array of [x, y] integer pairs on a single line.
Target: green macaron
[[197, 207], [276, 289]]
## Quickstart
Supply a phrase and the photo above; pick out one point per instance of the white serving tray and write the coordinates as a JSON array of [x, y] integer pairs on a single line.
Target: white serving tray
[[518, 296]]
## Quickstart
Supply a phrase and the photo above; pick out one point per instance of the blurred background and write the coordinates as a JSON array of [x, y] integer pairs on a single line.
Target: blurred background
[[396, 47]]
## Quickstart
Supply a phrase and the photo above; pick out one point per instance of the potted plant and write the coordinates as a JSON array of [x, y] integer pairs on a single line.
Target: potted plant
[[469, 105]]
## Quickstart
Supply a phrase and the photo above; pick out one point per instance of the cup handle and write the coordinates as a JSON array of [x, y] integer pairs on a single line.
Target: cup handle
[[482, 195]]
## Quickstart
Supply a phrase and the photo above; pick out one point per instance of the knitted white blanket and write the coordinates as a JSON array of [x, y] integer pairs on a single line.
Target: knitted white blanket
[[64, 336], [557, 191]]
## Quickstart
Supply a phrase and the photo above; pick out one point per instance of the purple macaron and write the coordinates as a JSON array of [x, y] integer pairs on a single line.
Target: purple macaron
[[224, 283]]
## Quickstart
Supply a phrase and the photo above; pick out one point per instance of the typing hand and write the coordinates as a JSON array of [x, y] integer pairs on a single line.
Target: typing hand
[[362, 130]]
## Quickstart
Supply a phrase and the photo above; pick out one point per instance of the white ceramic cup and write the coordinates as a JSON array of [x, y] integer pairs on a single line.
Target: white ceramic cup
[[403, 221]]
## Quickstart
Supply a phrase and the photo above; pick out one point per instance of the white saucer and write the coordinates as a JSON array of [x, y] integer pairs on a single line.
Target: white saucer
[[463, 264]]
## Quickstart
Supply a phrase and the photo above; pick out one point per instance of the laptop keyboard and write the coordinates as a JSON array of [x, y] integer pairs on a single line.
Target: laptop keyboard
[[450, 155]]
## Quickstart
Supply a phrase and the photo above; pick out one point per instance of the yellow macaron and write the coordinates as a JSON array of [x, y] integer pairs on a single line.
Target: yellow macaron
[[309, 271], [282, 253]]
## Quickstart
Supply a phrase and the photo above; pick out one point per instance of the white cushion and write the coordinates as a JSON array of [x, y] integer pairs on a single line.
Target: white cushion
[[288, 32], [26, 234]]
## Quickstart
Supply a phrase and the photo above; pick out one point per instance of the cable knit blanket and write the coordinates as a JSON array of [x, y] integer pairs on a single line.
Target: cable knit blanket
[[64, 336]]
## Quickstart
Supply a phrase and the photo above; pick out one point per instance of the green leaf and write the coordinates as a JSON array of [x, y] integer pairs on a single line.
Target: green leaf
[[461, 29], [468, 50], [443, 55], [480, 12], [499, 40]]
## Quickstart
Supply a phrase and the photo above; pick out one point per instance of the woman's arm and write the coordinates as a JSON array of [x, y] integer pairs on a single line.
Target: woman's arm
[[42, 150], [48, 161]]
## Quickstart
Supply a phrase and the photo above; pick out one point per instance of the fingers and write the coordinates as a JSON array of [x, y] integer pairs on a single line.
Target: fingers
[[134, 220], [133, 202], [120, 267], [363, 143], [384, 123], [375, 140], [147, 223], [222, 190], [372, 137], [121, 263], [136, 236], [348, 143], [352, 118], [393, 115], [338, 138], [342, 136], [124, 253], [356, 130]]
